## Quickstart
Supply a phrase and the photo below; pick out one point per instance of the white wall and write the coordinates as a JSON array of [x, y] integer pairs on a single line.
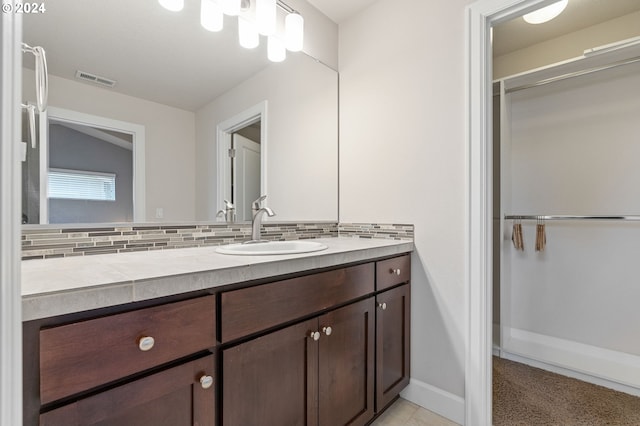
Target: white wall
[[402, 160], [575, 149], [169, 145], [301, 146], [321, 33]]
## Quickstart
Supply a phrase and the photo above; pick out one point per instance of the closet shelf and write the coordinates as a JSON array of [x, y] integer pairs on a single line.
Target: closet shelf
[[571, 217]]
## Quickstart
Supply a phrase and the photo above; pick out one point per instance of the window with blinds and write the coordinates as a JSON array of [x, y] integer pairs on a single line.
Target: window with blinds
[[81, 185]]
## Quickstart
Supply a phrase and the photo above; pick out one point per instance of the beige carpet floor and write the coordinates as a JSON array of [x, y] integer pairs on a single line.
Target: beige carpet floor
[[524, 395]]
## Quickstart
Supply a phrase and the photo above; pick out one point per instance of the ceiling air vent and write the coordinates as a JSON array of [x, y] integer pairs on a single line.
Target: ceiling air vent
[[95, 79]]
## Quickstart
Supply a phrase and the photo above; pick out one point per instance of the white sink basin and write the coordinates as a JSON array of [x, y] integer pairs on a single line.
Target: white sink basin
[[272, 247]]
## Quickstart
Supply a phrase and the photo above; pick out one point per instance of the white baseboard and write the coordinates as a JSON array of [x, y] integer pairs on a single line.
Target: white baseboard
[[435, 399], [605, 367]]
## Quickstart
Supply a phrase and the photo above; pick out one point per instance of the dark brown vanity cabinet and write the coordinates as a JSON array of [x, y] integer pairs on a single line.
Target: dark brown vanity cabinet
[[328, 348], [347, 369], [178, 396], [318, 372], [140, 367], [393, 316]]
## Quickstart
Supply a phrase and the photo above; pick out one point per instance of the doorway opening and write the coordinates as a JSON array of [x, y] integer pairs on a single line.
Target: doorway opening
[[242, 162], [485, 218], [84, 169]]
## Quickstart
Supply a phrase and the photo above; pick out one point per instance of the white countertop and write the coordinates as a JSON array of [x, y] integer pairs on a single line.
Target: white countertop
[[73, 284]]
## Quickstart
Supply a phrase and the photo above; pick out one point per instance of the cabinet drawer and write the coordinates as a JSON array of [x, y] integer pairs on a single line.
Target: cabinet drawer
[[80, 356], [253, 309], [394, 271], [180, 396]]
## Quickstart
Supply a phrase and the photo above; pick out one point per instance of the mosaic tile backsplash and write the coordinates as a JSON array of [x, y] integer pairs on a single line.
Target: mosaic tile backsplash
[[47, 242]]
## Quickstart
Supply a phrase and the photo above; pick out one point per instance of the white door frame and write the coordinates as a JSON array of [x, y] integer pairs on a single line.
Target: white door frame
[[10, 219], [480, 16], [137, 132], [224, 130]]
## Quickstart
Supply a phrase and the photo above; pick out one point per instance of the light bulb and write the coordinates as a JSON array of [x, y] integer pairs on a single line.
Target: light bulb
[[276, 51], [172, 5], [266, 16], [211, 17], [546, 14], [231, 7], [294, 31], [247, 34]]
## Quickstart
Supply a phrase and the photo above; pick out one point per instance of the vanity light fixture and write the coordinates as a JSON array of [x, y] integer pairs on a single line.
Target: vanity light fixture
[[266, 16], [276, 51], [247, 34], [255, 17], [546, 14], [172, 5], [211, 15], [231, 7], [294, 31]]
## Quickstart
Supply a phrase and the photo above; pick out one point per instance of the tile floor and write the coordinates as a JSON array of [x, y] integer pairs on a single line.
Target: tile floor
[[405, 413]]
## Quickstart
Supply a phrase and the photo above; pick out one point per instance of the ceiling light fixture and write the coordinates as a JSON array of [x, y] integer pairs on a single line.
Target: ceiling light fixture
[[547, 13], [172, 5], [255, 17]]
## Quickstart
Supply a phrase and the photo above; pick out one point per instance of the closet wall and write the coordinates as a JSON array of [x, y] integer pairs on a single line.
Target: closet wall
[[573, 147]]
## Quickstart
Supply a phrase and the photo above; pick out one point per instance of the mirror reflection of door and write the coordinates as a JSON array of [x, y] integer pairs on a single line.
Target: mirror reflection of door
[[245, 170]]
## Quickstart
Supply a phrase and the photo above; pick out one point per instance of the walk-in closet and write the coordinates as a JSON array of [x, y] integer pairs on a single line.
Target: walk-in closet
[[567, 237]]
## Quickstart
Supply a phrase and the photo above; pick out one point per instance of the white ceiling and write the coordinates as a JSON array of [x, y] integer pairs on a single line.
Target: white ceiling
[[340, 10], [169, 58]]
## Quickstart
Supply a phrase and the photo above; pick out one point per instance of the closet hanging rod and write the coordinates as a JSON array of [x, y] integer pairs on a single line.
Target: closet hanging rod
[[571, 217], [574, 74]]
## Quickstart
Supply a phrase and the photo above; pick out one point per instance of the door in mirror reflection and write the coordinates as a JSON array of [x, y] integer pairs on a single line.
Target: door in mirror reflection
[[245, 172]]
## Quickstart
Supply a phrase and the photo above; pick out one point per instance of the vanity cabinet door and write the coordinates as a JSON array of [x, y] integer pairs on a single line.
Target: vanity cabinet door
[[180, 396], [272, 380], [393, 313], [346, 372]]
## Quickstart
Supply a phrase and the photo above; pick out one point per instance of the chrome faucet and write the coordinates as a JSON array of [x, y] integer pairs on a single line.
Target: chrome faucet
[[229, 212], [258, 212]]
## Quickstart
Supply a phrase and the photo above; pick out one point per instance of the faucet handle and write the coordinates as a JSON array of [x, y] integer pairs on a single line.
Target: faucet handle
[[228, 205], [257, 204]]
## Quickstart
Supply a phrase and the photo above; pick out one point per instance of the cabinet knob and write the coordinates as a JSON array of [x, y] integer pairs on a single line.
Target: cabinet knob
[[315, 335], [327, 330], [383, 306], [145, 343], [206, 381], [395, 271]]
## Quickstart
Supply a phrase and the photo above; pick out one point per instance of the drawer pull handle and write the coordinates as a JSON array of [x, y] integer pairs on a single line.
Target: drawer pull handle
[[327, 330], [146, 343], [383, 306], [315, 335], [395, 271], [206, 381]]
